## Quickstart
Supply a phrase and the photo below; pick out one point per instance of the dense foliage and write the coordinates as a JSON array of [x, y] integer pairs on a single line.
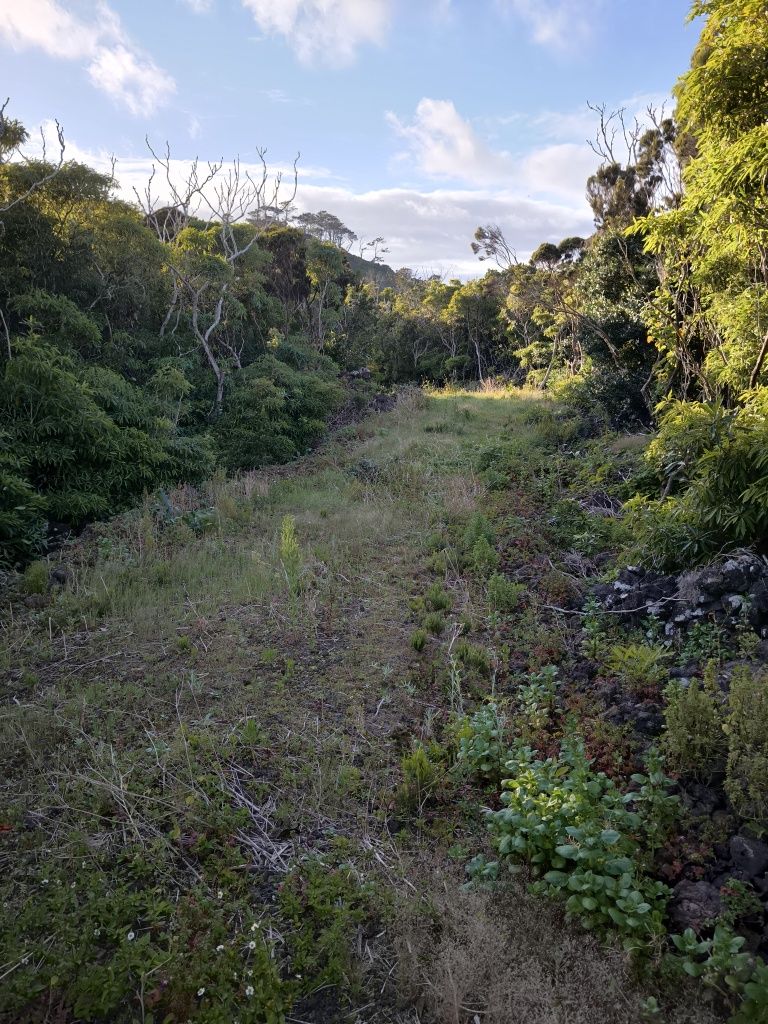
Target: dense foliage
[[144, 347]]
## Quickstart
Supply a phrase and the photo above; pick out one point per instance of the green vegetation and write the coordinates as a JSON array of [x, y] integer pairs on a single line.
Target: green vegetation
[[258, 715]]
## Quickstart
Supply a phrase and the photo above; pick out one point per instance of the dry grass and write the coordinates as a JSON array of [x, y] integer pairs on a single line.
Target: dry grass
[[507, 958]]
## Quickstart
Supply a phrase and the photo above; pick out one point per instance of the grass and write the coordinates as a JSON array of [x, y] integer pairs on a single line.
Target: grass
[[203, 734]]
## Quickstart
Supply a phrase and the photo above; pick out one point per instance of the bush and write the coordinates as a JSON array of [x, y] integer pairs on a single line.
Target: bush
[[483, 558], [482, 747], [474, 657], [418, 639], [437, 599], [434, 623], [503, 594], [712, 465], [577, 833], [694, 737], [746, 781], [637, 665], [36, 578]]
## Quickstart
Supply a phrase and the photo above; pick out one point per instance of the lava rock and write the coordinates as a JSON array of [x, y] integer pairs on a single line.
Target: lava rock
[[735, 575], [749, 855], [694, 905]]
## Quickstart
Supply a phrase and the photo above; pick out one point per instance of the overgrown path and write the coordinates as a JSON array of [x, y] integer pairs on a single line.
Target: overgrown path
[[228, 742]]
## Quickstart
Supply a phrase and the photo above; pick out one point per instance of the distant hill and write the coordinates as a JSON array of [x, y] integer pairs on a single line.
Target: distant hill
[[378, 273]]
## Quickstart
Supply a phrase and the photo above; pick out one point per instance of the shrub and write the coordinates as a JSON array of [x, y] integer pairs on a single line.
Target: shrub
[[418, 639], [35, 579], [484, 558], [746, 781], [503, 594], [576, 831], [420, 776], [434, 623], [482, 747], [637, 665], [478, 528], [536, 700], [694, 737], [473, 657], [712, 463], [437, 599]]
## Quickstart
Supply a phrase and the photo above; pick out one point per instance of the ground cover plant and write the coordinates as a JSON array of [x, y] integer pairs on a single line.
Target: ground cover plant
[[227, 754]]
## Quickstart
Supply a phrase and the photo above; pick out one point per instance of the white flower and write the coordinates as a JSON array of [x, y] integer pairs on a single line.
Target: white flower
[[249, 972], [45, 881], [254, 926], [201, 992], [251, 944], [219, 949], [220, 895], [131, 936], [97, 932], [249, 990]]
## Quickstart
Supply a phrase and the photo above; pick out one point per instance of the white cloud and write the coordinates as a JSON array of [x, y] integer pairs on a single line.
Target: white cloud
[[561, 170], [199, 6], [445, 145], [560, 24], [431, 231], [329, 30], [115, 65], [129, 79]]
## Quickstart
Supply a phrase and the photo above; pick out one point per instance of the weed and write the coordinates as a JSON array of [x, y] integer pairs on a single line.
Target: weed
[[420, 776], [434, 623], [419, 639], [503, 594], [704, 641], [325, 906], [746, 781], [290, 553], [739, 901], [578, 834], [638, 666], [593, 630], [35, 578], [693, 716], [437, 599], [484, 558], [482, 746]]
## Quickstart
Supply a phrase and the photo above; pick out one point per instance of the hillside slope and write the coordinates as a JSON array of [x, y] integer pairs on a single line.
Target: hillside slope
[[229, 731]]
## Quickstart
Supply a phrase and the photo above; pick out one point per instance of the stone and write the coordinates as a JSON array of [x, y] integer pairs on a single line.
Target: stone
[[749, 855], [694, 905]]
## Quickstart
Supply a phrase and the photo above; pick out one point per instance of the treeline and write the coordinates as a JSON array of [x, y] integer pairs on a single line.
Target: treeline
[[149, 344], [142, 347]]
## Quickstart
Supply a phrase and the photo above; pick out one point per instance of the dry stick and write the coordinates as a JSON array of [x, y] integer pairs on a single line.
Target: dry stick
[[613, 611]]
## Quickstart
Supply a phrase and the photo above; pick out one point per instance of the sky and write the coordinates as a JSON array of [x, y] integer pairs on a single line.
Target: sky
[[415, 120]]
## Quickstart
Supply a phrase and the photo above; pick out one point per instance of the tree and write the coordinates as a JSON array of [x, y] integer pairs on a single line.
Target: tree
[[326, 227], [490, 244], [204, 259], [710, 312]]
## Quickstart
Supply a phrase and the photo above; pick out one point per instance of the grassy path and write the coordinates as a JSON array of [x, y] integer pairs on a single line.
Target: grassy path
[[226, 743]]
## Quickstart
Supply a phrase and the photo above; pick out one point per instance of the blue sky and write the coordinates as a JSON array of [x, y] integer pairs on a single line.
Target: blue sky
[[416, 119]]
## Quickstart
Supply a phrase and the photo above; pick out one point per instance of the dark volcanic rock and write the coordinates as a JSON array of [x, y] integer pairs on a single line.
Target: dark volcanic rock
[[694, 905], [720, 592], [749, 855]]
